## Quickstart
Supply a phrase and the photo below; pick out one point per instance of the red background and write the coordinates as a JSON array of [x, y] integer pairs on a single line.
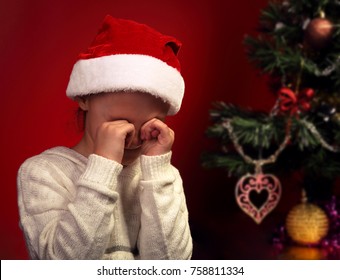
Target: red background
[[39, 41]]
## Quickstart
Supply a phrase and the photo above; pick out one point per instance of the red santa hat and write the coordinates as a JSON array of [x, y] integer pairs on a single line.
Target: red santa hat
[[126, 55]]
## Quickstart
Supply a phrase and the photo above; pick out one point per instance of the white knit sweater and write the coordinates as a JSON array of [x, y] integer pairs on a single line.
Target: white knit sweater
[[73, 207]]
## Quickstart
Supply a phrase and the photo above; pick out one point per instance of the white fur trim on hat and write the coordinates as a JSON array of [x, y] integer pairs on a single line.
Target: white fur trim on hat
[[127, 72]]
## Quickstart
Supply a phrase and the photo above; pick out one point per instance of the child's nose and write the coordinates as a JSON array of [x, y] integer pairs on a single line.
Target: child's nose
[[136, 140]]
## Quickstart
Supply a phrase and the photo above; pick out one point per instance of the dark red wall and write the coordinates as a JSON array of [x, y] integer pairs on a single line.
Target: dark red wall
[[39, 41]]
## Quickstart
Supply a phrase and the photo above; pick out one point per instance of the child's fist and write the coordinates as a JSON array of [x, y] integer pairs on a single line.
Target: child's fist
[[157, 138], [111, 139]]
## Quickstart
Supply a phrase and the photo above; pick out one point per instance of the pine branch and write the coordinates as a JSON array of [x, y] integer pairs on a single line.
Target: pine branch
[[322, 163], [279, 48], [254, 132], [280, 51], [304, 138], [273, 57], [233, 163], [255, 129]]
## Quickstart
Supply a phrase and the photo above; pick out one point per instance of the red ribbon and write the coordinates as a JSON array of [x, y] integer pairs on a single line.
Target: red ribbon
[[290, 102]]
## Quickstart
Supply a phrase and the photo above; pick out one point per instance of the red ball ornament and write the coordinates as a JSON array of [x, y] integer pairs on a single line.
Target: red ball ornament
[[318, 33]]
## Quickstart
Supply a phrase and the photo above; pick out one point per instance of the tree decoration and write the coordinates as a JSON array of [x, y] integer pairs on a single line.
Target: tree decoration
[[332, 241], [298, 48], [307, 223], [328, 247], [319, 33], [256, 183], [290, 102], [326, 111]]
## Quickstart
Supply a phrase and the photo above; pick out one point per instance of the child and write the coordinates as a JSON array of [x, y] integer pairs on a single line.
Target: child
[[114, 195]]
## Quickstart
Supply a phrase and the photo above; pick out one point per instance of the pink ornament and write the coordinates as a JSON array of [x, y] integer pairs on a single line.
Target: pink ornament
[[256, 185]]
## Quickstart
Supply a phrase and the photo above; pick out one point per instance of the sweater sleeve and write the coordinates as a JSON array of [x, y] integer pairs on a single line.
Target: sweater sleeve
[[59, 224], [165, 232]]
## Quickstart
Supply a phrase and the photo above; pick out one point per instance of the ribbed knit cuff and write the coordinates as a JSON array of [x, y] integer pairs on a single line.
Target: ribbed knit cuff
[[101, 171], [156, 167]]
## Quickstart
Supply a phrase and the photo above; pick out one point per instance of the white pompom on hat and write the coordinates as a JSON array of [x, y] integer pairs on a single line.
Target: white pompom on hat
[[129, 56]]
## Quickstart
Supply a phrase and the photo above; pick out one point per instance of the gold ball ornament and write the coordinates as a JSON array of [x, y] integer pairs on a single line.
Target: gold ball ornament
[[318, 33], [307, 224]]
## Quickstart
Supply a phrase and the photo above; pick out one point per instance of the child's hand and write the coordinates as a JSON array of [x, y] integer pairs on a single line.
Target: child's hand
[[157, 138], [111, 139]]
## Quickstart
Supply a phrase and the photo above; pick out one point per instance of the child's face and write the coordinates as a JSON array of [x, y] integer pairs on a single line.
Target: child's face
[[134, 107]]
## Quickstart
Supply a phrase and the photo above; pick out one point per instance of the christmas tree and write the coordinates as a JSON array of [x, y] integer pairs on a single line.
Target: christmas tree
[[297, 49]]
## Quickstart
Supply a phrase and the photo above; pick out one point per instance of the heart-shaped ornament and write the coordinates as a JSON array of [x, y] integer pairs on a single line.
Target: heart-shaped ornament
[[251, 186]]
